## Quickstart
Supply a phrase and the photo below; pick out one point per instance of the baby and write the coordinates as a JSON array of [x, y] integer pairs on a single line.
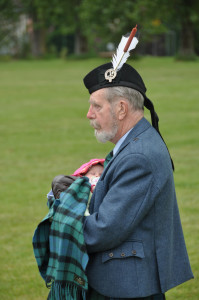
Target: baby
[[92, 169], [94, 174]]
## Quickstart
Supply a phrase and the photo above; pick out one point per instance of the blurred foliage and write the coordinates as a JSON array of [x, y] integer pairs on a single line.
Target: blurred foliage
[[153, 17], [93, 24]]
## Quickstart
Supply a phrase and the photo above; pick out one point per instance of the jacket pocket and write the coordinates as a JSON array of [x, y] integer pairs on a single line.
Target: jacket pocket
[[125, 250]]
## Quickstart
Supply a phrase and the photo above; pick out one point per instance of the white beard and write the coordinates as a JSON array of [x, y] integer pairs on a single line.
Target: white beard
[[105, 136]]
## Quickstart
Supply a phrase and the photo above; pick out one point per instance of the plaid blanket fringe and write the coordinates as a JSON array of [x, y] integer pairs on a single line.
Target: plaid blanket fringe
[[69, 292]]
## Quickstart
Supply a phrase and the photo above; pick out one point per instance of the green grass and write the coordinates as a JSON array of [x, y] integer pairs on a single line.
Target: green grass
[[44, 132]]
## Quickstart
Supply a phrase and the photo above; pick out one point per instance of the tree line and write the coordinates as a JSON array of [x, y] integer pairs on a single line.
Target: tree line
[[87, 26]]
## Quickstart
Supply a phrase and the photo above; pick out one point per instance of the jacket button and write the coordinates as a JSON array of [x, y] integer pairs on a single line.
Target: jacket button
[[123, 254], [134, 252], [110, 254]]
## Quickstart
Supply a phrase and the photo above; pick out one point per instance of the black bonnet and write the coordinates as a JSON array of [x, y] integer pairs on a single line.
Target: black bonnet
[[126, 76]]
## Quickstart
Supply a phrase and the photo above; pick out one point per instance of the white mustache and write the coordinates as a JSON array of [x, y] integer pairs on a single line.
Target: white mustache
[[94, 124]]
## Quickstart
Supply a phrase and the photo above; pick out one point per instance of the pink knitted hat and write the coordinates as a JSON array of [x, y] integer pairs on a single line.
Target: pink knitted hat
[[85, 167]]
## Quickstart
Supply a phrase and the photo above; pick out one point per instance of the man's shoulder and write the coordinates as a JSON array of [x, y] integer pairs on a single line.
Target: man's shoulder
[[142, 139], [147, 147]]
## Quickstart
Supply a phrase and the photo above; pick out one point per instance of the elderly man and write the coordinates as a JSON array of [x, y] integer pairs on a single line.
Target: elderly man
[[133, 234]]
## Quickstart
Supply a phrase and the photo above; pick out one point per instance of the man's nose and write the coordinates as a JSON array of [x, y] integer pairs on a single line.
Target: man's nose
[[90, 114]]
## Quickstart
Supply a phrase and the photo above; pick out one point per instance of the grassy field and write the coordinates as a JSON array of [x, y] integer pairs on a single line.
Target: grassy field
[[44, 132]]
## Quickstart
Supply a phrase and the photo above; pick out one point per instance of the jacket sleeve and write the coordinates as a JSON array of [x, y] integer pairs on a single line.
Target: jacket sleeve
[[130, 196]]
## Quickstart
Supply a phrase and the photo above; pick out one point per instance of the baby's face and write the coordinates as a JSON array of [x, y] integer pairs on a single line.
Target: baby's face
[[95, 171]]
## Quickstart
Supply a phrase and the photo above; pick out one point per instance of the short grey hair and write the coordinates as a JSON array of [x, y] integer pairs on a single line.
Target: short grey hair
[[135, 98]]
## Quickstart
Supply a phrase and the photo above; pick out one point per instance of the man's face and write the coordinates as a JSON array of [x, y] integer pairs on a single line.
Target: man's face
[[102, 117]]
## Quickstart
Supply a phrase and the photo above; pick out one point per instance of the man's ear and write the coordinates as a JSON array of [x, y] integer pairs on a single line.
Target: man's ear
[[122, 109]]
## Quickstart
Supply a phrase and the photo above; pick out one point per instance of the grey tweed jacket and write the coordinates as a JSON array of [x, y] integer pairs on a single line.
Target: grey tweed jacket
[[134, 236]]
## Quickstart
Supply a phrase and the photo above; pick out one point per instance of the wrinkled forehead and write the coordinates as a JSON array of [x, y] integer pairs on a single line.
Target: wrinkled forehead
[[98, 96]]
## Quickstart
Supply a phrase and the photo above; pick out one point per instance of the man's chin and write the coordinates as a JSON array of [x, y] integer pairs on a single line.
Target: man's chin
[[103, 137]]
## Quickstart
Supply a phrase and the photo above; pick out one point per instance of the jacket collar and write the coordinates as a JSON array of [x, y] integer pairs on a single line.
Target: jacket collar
[[140, 127]]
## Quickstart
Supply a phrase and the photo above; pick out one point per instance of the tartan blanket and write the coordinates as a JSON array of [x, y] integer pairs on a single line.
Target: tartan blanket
[[58, 244]]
